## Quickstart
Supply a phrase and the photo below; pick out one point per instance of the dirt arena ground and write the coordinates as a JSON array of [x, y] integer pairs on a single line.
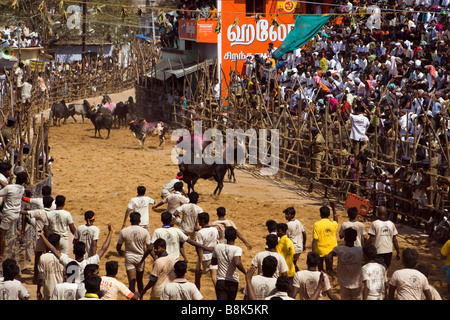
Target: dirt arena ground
[[102, 175]]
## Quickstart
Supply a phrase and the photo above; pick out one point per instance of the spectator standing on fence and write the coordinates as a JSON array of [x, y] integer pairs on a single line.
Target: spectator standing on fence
[[137, 241], [355, 224], [408, 282], [12, 194], [140, 204], [227, 258], [383, 235], [88, 233], [359, 123], [25, 93], [60, 222], [350, 260], [324, 238]]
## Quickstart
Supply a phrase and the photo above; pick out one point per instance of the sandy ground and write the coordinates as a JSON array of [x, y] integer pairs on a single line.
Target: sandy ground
[[102, 175]]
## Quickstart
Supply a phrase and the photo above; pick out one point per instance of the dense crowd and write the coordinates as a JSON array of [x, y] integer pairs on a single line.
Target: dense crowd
[[376, 89], [70, 271], [19, 36]]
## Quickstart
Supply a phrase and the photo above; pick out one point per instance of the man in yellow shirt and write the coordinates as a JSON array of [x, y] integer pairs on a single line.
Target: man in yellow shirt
[[286, 248], [324, 238]]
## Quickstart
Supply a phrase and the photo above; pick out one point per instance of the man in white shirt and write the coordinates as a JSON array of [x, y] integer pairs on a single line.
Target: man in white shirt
[[383, 235], [137, 242], [11, 288], [169, 187], [263, 284], [180, 288], [374, 276], [112, 287], [68, 289], [140, 204], [189, 215], [227, 257], [79, 251], [60, 222], [174, 201], [359, 124], [355, 224], [350, 259], [257, 261], [306, 281], [409, 283], [296, 232], [207, 236], [11, 207]]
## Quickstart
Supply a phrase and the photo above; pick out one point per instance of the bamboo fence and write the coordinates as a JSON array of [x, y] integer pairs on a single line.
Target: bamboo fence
[[241, 109]]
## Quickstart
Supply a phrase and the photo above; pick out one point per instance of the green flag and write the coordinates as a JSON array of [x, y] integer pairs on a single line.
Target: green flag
[[306, 27]]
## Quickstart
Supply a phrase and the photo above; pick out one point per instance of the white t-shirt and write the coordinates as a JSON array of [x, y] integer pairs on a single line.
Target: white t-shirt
[[51, 272], [180, 289], [295, 233], [174, 201], [189, 214], [410, 284], [173, 237], [65, 259], [135, 238], [281, 266], [358, 226], [384, 231], [306, 281], [13, 199], [65, 291], [140, 204], [263, 286], [58, 222], [12, 290], [359, 125], [111, 286], [349, 266], [375, 276], [225, 253], [87, 234], [209, 237]]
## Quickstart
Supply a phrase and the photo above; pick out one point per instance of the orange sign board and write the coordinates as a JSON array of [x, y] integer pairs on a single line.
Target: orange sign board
[[205, 30], [200, 31], [244, 35]]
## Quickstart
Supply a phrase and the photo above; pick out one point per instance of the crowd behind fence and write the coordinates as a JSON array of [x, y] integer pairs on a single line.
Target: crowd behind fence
[[414, 188]]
